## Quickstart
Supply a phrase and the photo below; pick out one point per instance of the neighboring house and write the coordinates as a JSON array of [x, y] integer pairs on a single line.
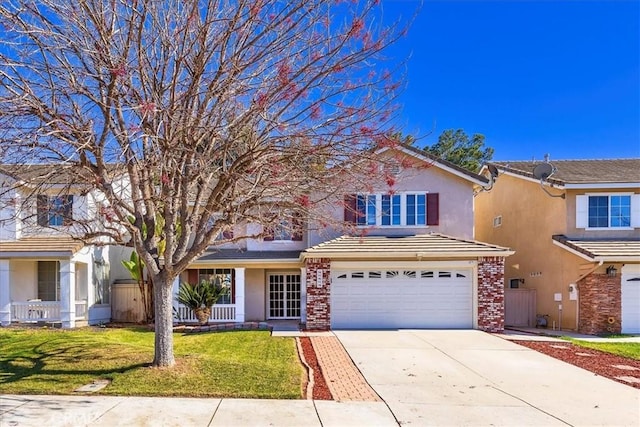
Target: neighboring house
[[410, 260], [46, 275], [577, 256]]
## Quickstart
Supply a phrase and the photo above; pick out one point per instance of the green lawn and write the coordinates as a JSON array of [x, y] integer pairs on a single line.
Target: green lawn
[[626, 349], [224, 364]]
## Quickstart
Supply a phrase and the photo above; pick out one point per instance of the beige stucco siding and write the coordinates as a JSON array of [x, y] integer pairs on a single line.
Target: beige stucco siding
[[456, 204], [24, 280], [254, 290], [574, 232], [529, 219]]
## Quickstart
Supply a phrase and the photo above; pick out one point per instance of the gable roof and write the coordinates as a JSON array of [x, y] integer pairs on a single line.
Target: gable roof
[[580, 173], [438, 162], [607, 250], [434, 245]]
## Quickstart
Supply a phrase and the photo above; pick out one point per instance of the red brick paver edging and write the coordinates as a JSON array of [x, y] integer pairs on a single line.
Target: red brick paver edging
[[345, 381]]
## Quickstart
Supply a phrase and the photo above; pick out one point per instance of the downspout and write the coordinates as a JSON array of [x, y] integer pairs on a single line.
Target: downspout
[[578, 300]]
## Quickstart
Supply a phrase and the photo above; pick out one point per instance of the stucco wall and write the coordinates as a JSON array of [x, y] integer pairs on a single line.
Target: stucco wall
[[254, 294], [571, 229], [24, 280], [529, 220], [456, 203]]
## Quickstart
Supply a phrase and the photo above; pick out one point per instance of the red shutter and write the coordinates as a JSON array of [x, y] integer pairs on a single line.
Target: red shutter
[[227, 234], [350, 209], [433, 209], [268, 236], [192, 276]]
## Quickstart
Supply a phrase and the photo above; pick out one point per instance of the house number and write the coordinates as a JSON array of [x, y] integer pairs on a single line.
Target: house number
[[319, 281]]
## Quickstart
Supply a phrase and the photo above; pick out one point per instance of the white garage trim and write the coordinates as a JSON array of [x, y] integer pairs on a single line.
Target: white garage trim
[[367, 299], [630, 299], [359, 265]]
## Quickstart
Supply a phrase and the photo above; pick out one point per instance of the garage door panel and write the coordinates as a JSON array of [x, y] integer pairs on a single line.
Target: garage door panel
[[630, 299], [402, 299]]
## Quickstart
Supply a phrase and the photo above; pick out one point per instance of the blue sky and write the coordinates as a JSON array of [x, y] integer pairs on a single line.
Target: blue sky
[[533, 76]]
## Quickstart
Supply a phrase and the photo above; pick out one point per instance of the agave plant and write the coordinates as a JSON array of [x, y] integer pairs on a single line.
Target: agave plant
[[200, 297]]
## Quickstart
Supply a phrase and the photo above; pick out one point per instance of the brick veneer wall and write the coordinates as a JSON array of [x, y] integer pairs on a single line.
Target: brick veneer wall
[[318, 302], [600, 299], [491, 294]]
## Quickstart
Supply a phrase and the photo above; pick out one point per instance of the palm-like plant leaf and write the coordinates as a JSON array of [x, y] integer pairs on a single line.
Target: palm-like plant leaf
[[203, 294]]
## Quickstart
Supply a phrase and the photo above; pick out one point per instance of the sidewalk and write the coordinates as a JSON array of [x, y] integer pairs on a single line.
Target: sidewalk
[[108, 411]]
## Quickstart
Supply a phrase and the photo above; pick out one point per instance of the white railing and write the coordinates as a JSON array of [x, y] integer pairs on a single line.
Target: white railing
[[219, 313], [33, 311], [81, 310]]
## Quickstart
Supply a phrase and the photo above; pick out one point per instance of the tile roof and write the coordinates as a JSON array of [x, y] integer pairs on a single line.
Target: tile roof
[[30, 247], [245, 255], [432, 245], [609, 250], [581, 171]]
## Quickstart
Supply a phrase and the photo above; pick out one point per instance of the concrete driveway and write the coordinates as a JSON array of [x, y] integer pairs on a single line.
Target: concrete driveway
[[467, 377]]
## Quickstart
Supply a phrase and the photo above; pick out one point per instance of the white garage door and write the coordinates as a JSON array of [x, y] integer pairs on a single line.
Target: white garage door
[[402, 298], [631, 299]]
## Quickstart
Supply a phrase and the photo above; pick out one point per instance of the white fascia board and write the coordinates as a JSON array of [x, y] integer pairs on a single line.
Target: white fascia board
[[623, 258], [369, 265], [423, 256], [434, 162], [602, 185], [573, 251]]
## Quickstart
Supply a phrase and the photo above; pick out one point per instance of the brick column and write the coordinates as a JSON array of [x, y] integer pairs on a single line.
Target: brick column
[[318, 293], [491, 294], [600, 304]]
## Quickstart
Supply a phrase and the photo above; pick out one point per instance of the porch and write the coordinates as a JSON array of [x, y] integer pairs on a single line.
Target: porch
[[35, 311]]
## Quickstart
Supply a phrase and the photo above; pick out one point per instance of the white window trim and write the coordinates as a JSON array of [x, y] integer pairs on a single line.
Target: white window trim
[[582, 218], [403, 209]]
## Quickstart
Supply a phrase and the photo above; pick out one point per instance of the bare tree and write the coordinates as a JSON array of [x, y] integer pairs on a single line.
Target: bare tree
[[190, 116]]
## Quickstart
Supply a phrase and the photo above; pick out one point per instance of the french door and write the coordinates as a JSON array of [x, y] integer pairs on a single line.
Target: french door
[[284, 296]]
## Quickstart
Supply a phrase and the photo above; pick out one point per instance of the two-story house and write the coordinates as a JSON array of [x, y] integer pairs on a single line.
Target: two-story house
[[45, 274], [577, 240], [404, 257]]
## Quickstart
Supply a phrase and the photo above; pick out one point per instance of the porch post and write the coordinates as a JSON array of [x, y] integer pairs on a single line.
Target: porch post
[[303, 295], [5, 293], [174, 291], [68, 293], [239, 294]]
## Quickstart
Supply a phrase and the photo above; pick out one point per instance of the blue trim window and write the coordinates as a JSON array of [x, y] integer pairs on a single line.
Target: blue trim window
[[609, 211], [416, 209], [390, 209]]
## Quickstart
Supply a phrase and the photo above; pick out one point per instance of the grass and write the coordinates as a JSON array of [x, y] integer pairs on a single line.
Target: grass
[[226, 364], [625, 349]]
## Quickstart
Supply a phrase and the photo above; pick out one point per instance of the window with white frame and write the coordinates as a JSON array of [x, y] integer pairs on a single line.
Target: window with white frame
[[221, 277], [607, 211], [399, 209], [54, 210]]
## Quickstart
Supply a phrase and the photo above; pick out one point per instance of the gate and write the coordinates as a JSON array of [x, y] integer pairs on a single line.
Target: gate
[[520, 307]]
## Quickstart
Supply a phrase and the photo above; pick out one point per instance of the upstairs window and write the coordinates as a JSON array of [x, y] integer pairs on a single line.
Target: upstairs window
[[289, 228], [607, 211], [404, 209], [55, 210]]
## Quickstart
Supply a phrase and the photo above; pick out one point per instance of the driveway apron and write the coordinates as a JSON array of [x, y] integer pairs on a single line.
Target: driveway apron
[[468, 377]]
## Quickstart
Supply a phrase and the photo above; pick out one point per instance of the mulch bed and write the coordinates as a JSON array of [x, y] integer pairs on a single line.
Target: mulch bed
[[320, 388], [598, 362]]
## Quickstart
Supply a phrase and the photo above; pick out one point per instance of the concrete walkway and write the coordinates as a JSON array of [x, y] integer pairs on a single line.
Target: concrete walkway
[[468, 377], [75, 411]]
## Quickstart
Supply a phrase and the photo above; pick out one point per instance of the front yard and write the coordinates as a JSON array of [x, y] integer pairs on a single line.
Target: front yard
[[247, 364]]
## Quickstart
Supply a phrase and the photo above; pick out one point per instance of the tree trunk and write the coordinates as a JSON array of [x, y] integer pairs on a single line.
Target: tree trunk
[[163, 299]]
